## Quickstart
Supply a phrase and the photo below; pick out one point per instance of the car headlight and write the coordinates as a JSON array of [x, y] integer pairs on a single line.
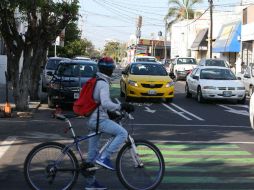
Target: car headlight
[[240, 88], [209, 87], [133, 83], [169, 84]]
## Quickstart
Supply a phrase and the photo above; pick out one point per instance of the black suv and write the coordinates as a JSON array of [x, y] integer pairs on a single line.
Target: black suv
[[68, 80]]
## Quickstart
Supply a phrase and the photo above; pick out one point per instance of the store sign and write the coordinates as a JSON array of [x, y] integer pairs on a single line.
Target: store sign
[[147, 42]]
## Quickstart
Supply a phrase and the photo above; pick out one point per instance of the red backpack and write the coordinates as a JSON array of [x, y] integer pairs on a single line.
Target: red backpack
[[85, 104]]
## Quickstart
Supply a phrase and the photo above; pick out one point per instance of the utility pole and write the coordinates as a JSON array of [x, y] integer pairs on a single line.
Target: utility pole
[[211, 29], [165, 41], [138, 33]]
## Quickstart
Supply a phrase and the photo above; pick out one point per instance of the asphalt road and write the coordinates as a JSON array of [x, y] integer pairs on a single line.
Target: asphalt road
[[206, 146]]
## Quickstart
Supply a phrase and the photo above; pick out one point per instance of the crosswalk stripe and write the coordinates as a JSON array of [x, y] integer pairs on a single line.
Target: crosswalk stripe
[[6, 144], [197, 146], [207, 179]]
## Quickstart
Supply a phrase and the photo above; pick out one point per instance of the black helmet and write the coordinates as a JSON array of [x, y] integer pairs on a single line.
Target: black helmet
[[106, 65]]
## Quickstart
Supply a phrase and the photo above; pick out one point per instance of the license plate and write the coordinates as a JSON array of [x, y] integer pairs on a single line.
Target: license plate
[[76, 95], [227, 93], [152, 92]]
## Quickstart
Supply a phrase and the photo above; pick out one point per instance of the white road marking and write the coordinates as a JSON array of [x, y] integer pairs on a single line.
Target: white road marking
[[192, 125], [130, 116], [191, 114], [147, 109], [203, 142], [241, 106], [178, 113], [235, 111], [5, 145]]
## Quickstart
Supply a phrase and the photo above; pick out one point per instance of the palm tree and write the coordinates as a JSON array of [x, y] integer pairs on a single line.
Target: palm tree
[[180, 10]]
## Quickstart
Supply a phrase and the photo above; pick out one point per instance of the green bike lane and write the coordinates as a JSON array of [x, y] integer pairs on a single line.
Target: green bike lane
[[207, 167]]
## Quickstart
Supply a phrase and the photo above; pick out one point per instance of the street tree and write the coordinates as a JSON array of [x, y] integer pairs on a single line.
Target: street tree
[[112, 49], [82, 47], [72, 33], [43, 21], [180, 10]]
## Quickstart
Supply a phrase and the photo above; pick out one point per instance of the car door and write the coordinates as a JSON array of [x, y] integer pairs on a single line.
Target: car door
[[247, 78], [124, 78], [190, 80], [196, 79]]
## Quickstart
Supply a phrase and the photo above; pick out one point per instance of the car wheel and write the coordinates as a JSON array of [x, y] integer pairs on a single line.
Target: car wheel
[[187, 91], [51, 103], [126, 97], [242, 101], [200, 96], [251, 90], [121, 92]]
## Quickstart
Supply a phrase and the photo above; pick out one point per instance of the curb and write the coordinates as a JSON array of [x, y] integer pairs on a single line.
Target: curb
[[33, 107]]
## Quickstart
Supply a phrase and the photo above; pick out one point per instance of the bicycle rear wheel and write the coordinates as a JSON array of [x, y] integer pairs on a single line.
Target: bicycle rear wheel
[[47, 168], [146, 176]]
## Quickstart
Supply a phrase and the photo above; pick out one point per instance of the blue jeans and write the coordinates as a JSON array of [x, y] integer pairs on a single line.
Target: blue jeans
[[109, 127]]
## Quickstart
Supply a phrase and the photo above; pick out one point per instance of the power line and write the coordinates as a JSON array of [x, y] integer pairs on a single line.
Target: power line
[[123, 17], [124, 10]]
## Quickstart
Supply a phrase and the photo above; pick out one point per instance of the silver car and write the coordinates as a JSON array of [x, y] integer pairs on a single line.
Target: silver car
[[49, 69]]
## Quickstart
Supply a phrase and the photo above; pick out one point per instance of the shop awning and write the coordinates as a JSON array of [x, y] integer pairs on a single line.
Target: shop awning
[[200, 42], [228, 39]]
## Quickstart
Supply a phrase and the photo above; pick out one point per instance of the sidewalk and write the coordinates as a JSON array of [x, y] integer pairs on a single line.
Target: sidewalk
[[33, 105]]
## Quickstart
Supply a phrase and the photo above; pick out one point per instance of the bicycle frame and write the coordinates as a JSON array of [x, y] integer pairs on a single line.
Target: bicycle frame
[[78, 139]]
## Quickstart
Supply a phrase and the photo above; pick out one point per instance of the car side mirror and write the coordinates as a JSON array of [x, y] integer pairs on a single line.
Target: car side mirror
[[50, 73], [196, 77], [239, 78]]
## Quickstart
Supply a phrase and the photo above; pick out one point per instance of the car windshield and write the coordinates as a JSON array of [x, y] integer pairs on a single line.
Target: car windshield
[[76, 70], [219, 63], [148, 69], [53, 63], [186, 61], [145, 59], [217, 74]]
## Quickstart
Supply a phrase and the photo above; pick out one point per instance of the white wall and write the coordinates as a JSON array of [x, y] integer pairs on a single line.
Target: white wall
[[181, 29], [3, 68]]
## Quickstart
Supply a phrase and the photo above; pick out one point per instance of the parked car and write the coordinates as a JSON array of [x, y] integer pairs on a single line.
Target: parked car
[[68, 81], [145, 59], [181, 66], [213, 62], [251, 108], [248, 79], [214, 83], [49, 69], [146, 80]]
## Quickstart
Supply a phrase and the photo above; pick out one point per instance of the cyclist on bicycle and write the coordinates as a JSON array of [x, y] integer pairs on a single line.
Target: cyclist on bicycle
[[101, 94]]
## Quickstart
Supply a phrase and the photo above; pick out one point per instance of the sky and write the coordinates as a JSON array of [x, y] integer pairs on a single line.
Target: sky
[[103, 20]]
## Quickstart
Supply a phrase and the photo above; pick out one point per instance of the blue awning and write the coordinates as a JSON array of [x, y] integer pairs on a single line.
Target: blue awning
[[227, 41]]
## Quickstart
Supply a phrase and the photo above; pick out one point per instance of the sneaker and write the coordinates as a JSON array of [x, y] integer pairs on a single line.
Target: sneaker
[[95, 186], [105, 163]]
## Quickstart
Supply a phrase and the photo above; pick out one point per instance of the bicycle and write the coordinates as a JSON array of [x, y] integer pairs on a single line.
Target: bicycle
[[51, 165]]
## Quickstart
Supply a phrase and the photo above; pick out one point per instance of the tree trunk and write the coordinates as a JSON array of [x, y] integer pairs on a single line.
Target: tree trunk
[[38, 60]]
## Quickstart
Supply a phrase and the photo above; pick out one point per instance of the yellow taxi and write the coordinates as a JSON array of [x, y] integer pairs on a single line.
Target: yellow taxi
[[146, 80]]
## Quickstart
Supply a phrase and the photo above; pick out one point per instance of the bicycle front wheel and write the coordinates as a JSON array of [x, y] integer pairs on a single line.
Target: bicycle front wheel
[[148, 173], [48, 167]]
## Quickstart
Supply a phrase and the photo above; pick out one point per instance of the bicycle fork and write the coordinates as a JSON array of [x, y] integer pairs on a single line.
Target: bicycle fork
[[134, 154]]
